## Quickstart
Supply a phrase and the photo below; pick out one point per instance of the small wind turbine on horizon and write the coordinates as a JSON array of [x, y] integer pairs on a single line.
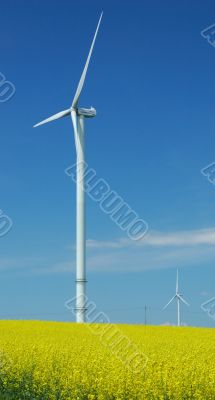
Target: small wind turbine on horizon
[[78, 116], [179, 299]]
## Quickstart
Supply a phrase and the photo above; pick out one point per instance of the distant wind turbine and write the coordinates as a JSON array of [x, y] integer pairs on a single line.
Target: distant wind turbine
[[179, 299], [78, 115]]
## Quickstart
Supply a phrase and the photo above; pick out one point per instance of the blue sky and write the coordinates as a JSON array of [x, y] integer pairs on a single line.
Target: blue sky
[[152, 82]]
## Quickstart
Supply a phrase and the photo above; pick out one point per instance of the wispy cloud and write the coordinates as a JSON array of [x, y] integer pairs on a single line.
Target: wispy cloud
[[142, 259], [161, 239], [157, 250], [204, 293], [19, 263]]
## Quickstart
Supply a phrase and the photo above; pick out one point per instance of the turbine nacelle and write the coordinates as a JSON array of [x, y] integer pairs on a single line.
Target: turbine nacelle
[[86, 112]]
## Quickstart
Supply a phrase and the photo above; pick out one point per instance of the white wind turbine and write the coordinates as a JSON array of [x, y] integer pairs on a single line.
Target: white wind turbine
[[179, 299], [78, 115]]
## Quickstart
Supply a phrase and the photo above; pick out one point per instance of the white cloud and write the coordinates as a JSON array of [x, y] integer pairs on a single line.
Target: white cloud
[[142, 259], [156, 251], [58, 268], [161, 239], [19, 263], [204, 293]]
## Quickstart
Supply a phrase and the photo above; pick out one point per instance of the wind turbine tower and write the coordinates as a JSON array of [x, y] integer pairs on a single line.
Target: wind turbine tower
[[179, 299], [78, 116]]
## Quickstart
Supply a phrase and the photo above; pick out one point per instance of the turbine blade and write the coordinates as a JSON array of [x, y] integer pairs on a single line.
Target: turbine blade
[[169, 302], [183, 301], [177, 281], [75, 126], [83, 76], [61, 114]]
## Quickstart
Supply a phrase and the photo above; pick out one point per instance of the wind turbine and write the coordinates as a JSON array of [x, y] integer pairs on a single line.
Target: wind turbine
[[78, 116], [179, 299]]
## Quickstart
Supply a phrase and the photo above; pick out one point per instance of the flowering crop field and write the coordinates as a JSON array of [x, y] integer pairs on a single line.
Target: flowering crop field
[[51, 360]]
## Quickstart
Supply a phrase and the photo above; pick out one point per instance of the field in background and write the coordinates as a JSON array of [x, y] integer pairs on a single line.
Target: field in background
[[47, 360]]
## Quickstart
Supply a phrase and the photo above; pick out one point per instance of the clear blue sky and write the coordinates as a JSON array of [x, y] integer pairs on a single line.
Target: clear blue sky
[[152, 82]]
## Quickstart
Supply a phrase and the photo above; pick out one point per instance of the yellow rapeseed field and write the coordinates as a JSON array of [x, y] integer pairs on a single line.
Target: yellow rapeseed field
[[50, 360]]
